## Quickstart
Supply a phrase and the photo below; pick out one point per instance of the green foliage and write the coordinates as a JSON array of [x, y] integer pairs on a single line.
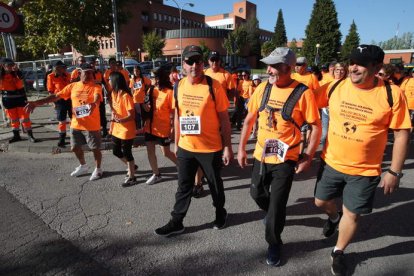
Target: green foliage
[[206, 51], [153, 45], [323, 29], [279, 38], [51, 25], [406, 41], [236, 41], [267, 48], [351, 42], [253, 35]]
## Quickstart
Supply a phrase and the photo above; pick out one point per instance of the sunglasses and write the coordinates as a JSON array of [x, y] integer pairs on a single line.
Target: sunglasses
[[299, 64], [192, 61]]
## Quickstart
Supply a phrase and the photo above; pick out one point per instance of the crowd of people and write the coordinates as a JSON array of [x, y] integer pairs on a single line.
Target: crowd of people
[[351, 106]]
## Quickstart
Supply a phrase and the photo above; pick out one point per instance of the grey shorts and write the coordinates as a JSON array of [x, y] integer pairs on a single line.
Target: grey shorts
[[79, 138], [357, 191]]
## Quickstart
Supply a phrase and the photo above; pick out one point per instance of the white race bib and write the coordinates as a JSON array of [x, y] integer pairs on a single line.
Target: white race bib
[[275, 147], [83, 111], [190, 125], [137, 85]]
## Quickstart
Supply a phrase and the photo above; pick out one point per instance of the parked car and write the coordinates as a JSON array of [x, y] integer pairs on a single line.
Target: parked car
[[30, 77], [39, 85]]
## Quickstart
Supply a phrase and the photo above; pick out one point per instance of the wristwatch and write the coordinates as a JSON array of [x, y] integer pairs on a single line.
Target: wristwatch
[[399, 175]]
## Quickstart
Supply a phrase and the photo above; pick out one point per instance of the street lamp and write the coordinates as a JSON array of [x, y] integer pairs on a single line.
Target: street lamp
[[139, 54], [317, 54], [176, 48], [115, 23], [180, 8]]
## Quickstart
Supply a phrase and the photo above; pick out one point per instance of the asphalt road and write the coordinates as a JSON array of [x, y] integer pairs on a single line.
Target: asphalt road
[[54, 224]]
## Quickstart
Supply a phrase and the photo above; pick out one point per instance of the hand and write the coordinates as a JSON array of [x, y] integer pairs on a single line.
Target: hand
[[30, 106], [390, 183], [227, 155], [303, 164], [242, 158], [93, 106]]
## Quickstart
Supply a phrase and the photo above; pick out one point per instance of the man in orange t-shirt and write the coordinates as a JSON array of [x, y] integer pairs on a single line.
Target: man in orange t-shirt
[[361, 113], [56, 81], [408, 88], [202, 137], [85, 125], [302, 75], [276, 155], [243, 92]]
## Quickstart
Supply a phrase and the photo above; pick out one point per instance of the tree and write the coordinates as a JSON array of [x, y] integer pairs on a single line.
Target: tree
[[279, 38], [205, 50], [406, 41], [236, 41], [267, 48], [351, 41], [253, 36], [52, 25], [153, 45], [323, 29]]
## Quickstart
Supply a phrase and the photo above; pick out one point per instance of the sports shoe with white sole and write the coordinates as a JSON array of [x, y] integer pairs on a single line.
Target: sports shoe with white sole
[[97, 174], [80, 170], [153, 179]]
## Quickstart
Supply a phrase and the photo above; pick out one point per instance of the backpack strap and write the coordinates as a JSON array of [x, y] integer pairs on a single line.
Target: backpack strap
[[333, 87], [266, 96], [175, 89], [389, 94], [210, 87], [291, 101]]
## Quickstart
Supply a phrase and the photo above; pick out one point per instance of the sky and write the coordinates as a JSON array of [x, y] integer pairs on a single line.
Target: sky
[[376, 20]]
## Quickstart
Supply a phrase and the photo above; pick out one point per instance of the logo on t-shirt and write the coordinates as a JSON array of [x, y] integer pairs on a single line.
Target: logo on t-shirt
[[349, 128]]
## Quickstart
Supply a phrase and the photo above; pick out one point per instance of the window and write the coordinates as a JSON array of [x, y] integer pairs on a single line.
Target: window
[[396, 60], [241, 10], [155, 16]]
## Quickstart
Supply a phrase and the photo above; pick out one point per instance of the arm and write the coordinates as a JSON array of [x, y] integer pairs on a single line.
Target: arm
[[315, 136], [30, 106], [177, 131], [129, 117], [247, 128], [399, 150], [226, 136]]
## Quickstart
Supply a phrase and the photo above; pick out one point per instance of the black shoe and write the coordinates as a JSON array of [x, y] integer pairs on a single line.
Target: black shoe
[[15, 139], [338, 263], [330, 227], [220, 221], [170, 228], [61, 144], [273, 255], [198, 191], [130, 181]]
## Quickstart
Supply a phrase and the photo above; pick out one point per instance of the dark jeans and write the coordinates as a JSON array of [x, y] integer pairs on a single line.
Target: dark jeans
[[63, 109], [278, 178], [188, 163], [240, 111]]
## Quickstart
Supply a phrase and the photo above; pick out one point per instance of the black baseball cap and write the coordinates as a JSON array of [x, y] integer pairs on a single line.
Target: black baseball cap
[[86, 67], [214, 54], [59, 63], [192, 51], [366, 54]]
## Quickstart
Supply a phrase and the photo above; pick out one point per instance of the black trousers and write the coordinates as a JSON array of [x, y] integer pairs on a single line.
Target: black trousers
[[188, 163], [102, 116], [122, 148], [240, 111], [271, 192]]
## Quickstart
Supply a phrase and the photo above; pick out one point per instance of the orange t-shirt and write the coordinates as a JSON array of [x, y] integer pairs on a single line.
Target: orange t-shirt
[[326, 78], [57, 83], [307, 79], [285, 131], [82, 94], [138, 87], [358, 125], [161, 125], [244, 88], [125, 73], [74, 76], [195, 100], [223, 77], [122, 103], [408, 88], [10, 82]]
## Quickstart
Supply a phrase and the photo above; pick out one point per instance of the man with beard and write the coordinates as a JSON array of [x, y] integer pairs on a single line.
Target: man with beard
[[276, 155]]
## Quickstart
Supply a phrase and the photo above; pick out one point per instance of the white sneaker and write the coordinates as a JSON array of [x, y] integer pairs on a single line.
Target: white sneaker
[[97, 173], [153, 179], [252, 136], [81, 169]]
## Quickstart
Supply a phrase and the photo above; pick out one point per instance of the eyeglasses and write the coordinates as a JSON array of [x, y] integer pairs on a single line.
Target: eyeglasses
[[192, 61]]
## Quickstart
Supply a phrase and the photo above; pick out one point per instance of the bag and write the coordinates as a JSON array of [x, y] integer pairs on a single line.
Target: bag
[[147, 115]]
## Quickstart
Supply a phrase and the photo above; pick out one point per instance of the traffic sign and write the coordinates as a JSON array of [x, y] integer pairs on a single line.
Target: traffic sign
[[8, 18]]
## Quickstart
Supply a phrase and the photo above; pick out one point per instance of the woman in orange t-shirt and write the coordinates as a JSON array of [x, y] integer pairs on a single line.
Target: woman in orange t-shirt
[[138, 84], [158, 127], [123, 124]]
